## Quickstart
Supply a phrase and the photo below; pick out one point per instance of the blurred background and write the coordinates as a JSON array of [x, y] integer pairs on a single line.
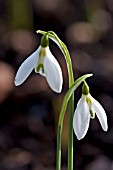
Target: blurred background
[[29, 113]]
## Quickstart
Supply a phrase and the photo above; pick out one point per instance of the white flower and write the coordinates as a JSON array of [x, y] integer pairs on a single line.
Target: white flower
[[44, 63], [86, 109]]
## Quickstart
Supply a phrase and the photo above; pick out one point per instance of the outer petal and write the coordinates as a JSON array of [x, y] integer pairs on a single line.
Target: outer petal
[[26, 68], [53, 72], [100, 112], [81, 118]]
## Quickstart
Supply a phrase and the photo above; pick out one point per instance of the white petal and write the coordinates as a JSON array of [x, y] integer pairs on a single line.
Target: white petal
[[81, 118], [53, 72], [26, 68], [100, 112]]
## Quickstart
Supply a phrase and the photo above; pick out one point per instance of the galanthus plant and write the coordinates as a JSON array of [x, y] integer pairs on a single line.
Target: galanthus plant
[[43, 62], [87, 107]]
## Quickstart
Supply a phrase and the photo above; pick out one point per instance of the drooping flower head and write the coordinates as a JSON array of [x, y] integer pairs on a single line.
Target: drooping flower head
[[44, 63], [87, 107]]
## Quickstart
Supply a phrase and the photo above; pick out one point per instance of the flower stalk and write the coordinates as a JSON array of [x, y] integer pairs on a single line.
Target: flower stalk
[[66, 54]]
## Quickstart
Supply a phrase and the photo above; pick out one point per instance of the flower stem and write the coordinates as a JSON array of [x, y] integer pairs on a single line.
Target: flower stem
[[59, 141], [71, 111], [70, 133], [71, 103], [66, 53]]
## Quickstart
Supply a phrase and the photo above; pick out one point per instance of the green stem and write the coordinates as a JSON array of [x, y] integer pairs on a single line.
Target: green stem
[[70, 133], [71, 103], [59, 141], [71, 108], [68, 97]]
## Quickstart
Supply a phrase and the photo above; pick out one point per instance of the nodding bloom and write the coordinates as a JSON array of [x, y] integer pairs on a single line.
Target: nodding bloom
[[44, 63], [87, 107]]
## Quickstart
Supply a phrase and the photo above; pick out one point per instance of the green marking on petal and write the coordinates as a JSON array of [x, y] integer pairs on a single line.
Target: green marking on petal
[[92, 115], [42, 52], [40, 66], [89, 102]]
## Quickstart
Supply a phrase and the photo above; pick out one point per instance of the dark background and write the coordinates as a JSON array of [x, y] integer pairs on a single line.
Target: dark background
[[29, 113]]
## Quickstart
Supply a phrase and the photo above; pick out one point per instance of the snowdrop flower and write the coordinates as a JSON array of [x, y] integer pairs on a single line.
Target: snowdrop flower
[[44, 63], [87, 107]]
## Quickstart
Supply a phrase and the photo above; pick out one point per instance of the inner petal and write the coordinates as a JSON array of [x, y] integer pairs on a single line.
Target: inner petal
[[91, 110], [39, 68]]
